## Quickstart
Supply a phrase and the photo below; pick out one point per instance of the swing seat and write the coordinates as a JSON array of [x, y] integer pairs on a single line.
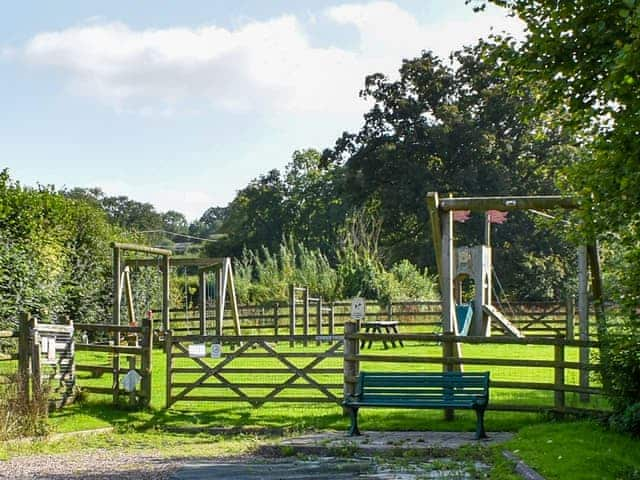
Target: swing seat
[[464, 315]]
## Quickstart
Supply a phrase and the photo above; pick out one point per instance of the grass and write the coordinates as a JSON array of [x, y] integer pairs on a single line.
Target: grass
[[556, 449], [576, 450]]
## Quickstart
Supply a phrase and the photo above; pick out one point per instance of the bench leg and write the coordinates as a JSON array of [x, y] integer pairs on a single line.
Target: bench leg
[[353, 415], [480, 433]]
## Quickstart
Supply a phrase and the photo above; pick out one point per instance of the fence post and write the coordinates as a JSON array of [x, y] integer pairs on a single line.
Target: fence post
[[351, 363], [276, 319], [332, 320], [558, 382], [292, 314], [115, 364], [146, 360], [36, 373], [168, 347], [570, 317], [447, 365], [23, 352], [305, 313], [390, 311], [319, 320]]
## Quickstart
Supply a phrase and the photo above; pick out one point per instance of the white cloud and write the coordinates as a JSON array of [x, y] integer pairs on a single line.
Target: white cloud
[[262, 65]]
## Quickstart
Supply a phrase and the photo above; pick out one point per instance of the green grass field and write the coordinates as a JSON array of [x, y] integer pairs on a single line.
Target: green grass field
[[97, 410]]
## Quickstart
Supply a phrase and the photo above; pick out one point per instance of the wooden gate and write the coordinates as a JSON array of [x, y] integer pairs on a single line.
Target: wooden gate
[[254, 369]]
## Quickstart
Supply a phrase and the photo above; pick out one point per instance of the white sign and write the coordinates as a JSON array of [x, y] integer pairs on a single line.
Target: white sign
[[216, 350], [51, 351], [197, 350], [130, 380], [357, 308]]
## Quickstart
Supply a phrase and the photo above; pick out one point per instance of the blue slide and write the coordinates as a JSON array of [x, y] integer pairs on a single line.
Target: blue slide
[[464, 314]]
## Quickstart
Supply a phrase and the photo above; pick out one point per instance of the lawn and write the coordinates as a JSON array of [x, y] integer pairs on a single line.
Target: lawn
[[556, 449]]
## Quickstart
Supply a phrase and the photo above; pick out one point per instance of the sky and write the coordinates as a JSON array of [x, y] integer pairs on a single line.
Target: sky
[[181, 104]]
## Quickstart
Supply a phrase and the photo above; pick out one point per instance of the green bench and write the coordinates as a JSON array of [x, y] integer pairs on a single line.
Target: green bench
[[455, 390]]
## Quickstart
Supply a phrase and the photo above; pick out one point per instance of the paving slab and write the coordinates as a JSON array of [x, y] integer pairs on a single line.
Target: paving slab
[[372, 442]]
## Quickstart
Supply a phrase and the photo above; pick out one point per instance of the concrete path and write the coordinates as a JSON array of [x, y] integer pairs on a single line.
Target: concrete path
[[335, 456], [385, 442]]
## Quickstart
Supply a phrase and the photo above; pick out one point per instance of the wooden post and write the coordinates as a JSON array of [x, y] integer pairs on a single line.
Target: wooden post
[[558, 381], [127, 284], [570, 317], [351, 365], [433, 204], [168, 348], [202, 302], [117, 286], [115, 363], [583, 314], [24, 352], [319, 320], [36, 373], [305, 314], [276, 318], [146, 360], [132, 341], [166, 293], [390, 311], [222, 291], [448, 307], [232, 294], [292, 313], [332, 320], [447, 354]]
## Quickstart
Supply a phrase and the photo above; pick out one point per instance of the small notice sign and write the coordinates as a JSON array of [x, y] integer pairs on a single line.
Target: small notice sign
[[216, 350], [197, 350], [357, 308]]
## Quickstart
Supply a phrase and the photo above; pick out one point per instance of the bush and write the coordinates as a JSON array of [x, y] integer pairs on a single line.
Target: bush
[[19, 415], [621, 379]]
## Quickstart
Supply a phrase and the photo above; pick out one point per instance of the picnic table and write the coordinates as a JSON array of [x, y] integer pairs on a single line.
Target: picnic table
[[390, 328]]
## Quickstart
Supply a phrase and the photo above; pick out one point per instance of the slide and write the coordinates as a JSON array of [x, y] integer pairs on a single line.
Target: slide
[[501, 319]]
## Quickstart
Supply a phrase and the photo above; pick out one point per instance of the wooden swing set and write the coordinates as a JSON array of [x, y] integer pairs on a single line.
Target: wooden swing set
[[220, 267]]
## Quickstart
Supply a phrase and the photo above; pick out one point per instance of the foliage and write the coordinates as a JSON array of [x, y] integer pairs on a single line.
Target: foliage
[[304, 203], [263, 276], [458, 130], [584, 54], [54, 254], [21, 416]]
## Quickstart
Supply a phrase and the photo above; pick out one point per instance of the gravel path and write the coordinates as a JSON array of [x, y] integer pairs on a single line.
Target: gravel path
[[97, 465]]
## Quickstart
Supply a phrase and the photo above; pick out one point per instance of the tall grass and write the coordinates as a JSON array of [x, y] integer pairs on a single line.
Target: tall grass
[[263, 276], [21, 416]]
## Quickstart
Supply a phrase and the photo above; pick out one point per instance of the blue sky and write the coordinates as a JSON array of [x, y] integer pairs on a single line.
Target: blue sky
[[181, 103]]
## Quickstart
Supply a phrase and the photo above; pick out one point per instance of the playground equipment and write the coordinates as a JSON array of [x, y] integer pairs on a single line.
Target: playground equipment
[[475, 262], [221, 267]]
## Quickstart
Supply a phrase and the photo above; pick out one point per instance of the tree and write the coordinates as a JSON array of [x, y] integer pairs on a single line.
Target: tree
[[174, 222], [210, 222], [132, 215], [255, 217], [314, 203], [451, 130], [585, 55]]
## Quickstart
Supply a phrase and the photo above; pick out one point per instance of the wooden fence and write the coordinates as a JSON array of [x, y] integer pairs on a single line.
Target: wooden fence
[[43, 360], [8, 354], [311, 315], [555, 371], [253, 369], [117, 341], [527, 374]]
